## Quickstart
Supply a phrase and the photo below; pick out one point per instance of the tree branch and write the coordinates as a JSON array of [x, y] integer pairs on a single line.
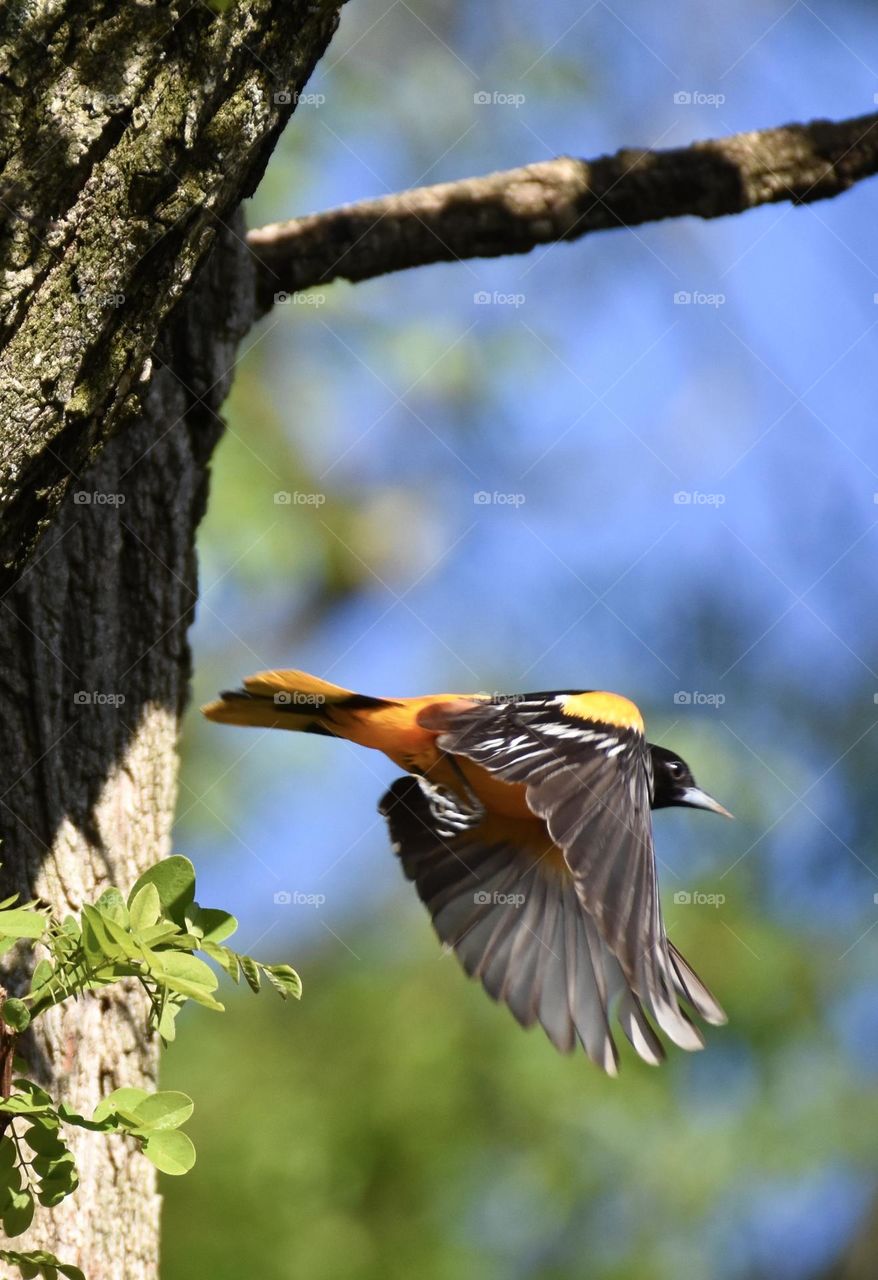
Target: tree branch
[[563, 199]]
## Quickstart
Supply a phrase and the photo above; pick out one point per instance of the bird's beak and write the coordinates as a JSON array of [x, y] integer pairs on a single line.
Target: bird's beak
[[695, 798]]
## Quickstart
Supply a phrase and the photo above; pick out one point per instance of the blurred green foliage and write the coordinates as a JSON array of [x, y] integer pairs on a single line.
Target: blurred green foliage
[[398, 1124]]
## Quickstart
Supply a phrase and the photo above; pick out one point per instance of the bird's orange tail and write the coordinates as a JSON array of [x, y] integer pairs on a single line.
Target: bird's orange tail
[[285, 700]]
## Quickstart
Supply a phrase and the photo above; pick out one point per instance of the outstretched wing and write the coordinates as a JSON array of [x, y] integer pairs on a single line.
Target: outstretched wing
[[587, 770], [501, 895]]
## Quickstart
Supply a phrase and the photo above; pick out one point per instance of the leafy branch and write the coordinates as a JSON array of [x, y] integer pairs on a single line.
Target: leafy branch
[[150, 937]]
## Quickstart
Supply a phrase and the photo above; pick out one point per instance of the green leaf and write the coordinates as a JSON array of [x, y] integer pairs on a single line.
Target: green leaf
[[215, 925], [167, 1109], [44, 1139], [19, 1105], [10, 1184], [174, 878], [187, 975], [22, 922], [15, 1014], [19, 1215], [155, 934], [225, 957], [166, 1026], [284, 979], [126, 1098], [56, 1168], [145, 908], [250, 969], [99, 944], [121, 937], [36, 1261], [170, 1151], [7, 1155], [34, 1092], [43, 972], [112, 905]]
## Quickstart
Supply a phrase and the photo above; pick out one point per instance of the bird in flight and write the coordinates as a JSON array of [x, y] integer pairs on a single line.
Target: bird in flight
[[524, 822]]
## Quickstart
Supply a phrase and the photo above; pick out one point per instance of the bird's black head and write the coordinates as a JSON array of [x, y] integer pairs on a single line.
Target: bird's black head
[[674, 784]]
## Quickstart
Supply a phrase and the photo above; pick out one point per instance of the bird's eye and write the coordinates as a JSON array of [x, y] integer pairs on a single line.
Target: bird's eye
[[674, 768]]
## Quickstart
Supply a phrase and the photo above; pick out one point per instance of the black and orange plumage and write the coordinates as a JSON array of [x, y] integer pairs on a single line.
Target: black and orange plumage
[[524, 822]]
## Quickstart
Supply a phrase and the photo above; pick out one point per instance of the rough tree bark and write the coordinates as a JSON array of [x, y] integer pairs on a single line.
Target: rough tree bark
[[93, 681], [131, 134], [128, 136]]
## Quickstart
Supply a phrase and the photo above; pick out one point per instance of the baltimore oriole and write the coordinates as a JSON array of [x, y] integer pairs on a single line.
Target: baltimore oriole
[[524, 823]]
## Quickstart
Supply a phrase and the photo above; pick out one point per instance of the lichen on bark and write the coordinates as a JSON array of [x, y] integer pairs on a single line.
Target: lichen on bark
[[132, 132]]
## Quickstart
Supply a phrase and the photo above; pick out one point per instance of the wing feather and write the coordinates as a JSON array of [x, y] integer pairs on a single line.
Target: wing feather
[[591, 783], [503, 898]]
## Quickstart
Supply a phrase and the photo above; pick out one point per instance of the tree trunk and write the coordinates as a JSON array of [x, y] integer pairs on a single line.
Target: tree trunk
[[130, 134], [92, 683]]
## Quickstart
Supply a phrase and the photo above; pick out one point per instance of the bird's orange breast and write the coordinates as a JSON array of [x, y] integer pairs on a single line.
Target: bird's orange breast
[[394, 729]]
